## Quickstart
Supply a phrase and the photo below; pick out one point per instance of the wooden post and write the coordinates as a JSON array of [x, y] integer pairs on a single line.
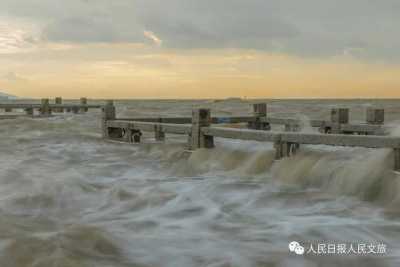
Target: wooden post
[[396, 152], [45, 109], [201, 118], [375, 116], [84, 102], [108, 113], [58, 101], [260, 111]]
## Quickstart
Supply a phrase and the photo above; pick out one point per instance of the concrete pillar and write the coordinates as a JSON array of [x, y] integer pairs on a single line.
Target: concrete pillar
[[108, 113], [396, 152], [29, 111], [278, 150], [260, 112], [84, 102], [286, 149], [45, 109], [340, 115], [136, 136], [294, 148], [127, 135], [159, 135], [292, 128], [58, 101], [260, 109], [375, 116], [201, 118]]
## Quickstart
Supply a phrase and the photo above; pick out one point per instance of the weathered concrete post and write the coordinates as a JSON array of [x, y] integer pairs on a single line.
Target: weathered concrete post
[[159, 135], [136, 136], [29, 111], [260, 112], [75, 110], [292, 127], [45, 109], [84, 102], [375, 116], [286, 149], [108, 113], [278, 150], [58, 101], [396, 153], [338, 116], [201, 118], [294, 148]]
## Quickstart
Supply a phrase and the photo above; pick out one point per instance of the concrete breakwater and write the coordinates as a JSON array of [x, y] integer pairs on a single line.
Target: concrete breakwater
[[201, 133], [45, 108]]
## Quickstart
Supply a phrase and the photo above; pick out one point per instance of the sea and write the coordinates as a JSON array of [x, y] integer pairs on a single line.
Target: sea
[[68, 198]]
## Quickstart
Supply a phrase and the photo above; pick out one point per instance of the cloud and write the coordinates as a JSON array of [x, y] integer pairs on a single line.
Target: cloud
[[16, 37], [306, 28], [150, 35], [13, 77]]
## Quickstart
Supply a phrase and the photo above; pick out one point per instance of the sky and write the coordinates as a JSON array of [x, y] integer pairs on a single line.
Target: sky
[[200, 48]]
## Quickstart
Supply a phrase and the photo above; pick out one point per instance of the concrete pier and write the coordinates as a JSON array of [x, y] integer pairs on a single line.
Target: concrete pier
[[201, 118], [260, 113], [375, 116], [108, 114], [159, 135], [45, 109], [83, 101], [201, 133], [396, 153], [58, 101], [340, 115], [29, 111], [260, 121]]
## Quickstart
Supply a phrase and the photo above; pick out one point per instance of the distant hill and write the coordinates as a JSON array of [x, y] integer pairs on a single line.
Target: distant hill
[[7, 96]]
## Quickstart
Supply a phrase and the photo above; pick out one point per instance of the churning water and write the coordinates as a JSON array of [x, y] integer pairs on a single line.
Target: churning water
[[68, 198]]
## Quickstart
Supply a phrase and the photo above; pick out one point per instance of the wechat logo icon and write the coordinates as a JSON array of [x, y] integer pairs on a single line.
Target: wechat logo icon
[[295, 247]]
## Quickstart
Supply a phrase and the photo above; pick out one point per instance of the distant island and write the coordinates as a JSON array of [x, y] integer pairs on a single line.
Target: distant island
[[4, 96]]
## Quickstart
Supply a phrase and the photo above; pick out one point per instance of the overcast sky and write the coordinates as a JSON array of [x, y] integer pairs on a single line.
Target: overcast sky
[[357, 31]]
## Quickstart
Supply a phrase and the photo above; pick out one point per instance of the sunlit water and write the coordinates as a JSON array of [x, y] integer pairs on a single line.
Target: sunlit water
[[68, 198]]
